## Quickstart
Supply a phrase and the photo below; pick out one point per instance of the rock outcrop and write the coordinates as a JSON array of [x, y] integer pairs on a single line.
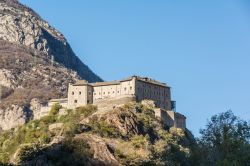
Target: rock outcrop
[[14, 116], [123, 120]]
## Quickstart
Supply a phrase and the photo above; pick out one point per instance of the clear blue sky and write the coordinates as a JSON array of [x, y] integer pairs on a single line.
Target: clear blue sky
[[200, 48]]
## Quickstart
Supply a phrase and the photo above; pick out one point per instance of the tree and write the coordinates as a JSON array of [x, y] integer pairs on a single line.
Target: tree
[[225, 141]]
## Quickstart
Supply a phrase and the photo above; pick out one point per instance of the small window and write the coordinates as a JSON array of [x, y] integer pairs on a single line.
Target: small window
[[108, 92], [80, 93], [75, 101], [94, 93], [104, 93], [131, 88], [99, 93], [117, 91], [113, 91], [73, 93], [125, 89]]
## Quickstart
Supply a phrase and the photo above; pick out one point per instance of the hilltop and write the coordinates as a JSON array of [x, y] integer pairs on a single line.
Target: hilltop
[[126, 135]]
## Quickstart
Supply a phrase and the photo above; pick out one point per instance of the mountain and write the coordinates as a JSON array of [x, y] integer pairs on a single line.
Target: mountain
[[21, 25], [36, 63]]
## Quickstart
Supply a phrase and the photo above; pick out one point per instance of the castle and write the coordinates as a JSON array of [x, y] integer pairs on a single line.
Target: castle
[[134, 88], [83, 93]]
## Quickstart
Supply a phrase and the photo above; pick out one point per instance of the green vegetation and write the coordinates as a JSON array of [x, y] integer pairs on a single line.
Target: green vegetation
[[72, 152], [37, 132], [139, 141], [55, 109], [87, 110], [103, 129], [224, 142]]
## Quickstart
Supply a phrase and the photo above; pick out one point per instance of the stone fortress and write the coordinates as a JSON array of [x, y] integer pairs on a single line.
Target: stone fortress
[[135, 88]]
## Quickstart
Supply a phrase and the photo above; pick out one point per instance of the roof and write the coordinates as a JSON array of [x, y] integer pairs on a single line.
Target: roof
[[143, 79], [81, 82], [152, 81], [146, 79], [58, 100], [105, 83]]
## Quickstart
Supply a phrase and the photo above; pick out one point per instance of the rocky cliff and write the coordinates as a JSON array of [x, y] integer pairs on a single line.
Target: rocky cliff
[[36, 64], [21, 25], [126, 135]]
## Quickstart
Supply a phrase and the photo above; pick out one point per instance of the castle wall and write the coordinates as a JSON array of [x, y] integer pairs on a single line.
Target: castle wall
[[176, 119], [160, 94], [109, 91], [84, 93], [180, 121], [128, 87], [115, 90], [77, 96], [62, 102]]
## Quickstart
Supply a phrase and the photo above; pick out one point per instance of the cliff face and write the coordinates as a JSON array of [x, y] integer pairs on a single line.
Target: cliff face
[[21, 25], [26, 75], [36, 63]]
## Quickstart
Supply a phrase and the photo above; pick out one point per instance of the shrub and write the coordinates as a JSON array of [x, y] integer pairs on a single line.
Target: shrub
[[55, 109], [86, 110], [28, 152], [139, 141], [48, 119], [103, 128], [70, 129], [72, 152]]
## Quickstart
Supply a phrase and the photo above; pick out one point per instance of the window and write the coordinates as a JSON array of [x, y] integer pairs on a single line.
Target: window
[[125, 89], [89, 93], [75, 101], [131, 88], [94, 93], [108, 92], [80, 93], [73, 93], [104, 93], [113, 91], [117, 91]]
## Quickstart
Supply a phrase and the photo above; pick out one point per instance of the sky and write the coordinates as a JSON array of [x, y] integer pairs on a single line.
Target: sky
[[199, 48]]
